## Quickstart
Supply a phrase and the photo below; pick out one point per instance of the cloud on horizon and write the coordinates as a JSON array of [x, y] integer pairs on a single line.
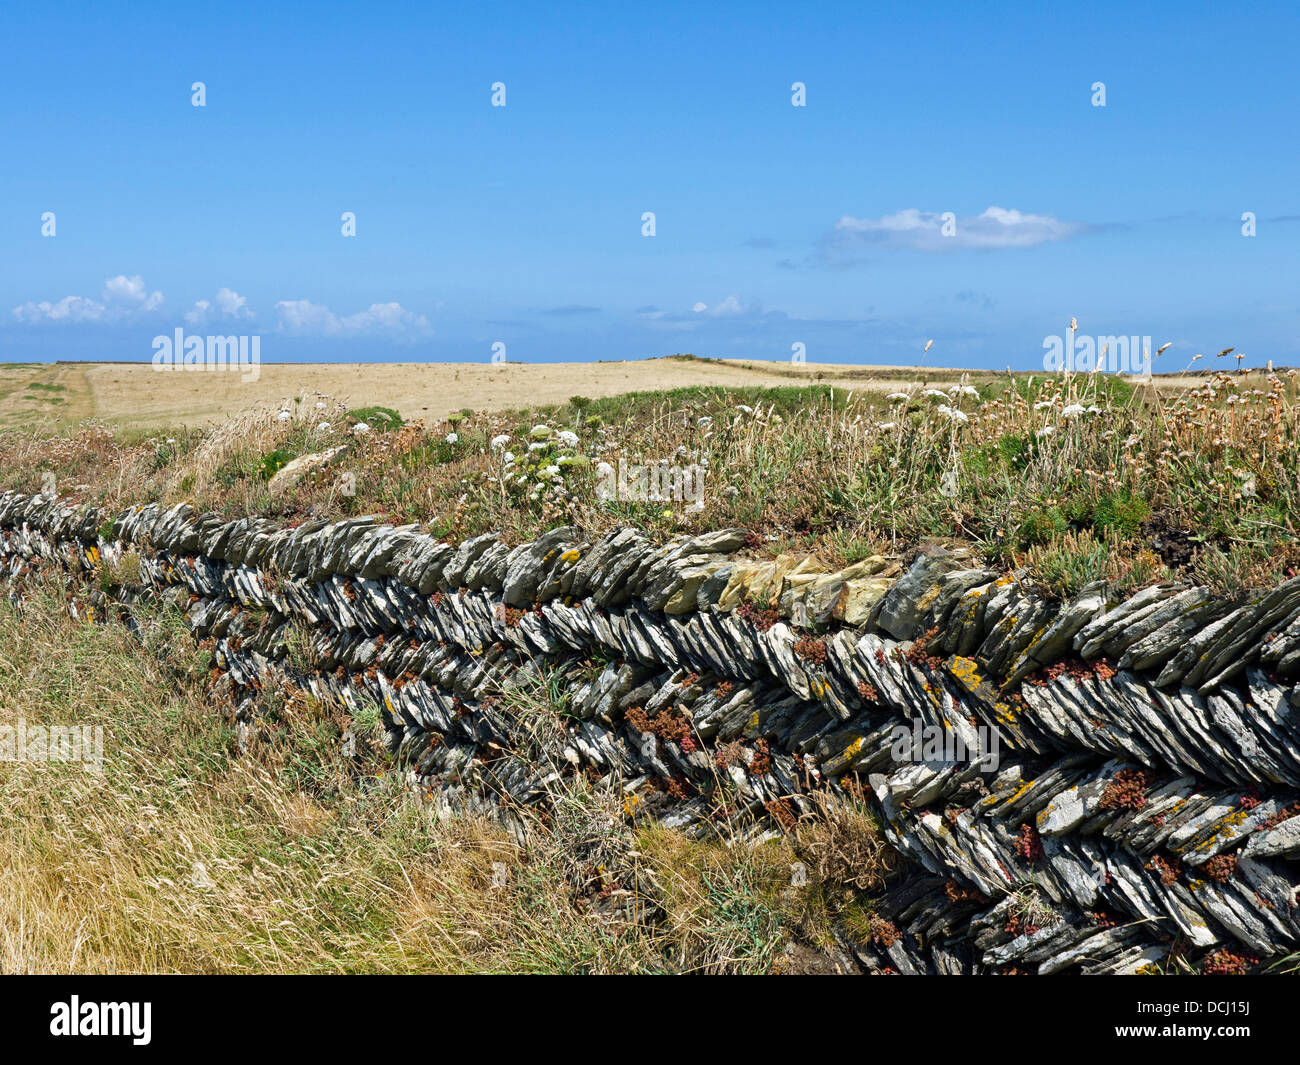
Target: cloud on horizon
[[226, 304], [731, 307], [911, 229], [304, 318], [123, 298]]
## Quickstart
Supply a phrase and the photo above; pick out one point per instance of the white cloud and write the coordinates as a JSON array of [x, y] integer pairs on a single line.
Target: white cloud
[[995, 227], [304, 318], [227, 304], [731, 307], [131, 292], [123, 297]]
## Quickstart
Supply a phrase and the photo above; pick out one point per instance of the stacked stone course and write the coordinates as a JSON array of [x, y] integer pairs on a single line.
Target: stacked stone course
[[1146, 796]]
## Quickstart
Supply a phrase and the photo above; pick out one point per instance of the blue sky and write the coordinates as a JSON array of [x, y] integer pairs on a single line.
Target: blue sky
[[774, 224]]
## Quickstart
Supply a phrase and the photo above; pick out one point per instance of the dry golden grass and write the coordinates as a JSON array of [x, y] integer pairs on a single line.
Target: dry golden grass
[[841, 844], [135, 396]]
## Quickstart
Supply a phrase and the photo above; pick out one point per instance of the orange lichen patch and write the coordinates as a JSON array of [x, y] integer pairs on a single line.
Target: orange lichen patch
[[1028, 844], [917, 653], [1168, 871], [666, 725], [1018, 925], [1221, 868], [811, 650], [1126, 791], [1076, 669], [883, 933], [1227, 963], [729, 754], [675, 787], [782, 812], [1103, 670], [761, 618], [957, 893], [1282, 815]]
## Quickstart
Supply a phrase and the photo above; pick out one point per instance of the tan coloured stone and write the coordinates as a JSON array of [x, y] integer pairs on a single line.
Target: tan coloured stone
[[857, 597]]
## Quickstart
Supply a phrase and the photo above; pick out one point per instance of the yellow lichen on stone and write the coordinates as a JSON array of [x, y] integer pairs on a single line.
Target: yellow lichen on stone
[[965, 670], [928, 597], [1004, 713]]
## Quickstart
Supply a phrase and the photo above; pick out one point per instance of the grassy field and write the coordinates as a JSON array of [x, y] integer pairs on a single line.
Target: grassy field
[[1070, 478], [134, 395]]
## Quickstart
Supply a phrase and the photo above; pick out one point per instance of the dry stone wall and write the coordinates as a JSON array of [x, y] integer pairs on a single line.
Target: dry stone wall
[[1113, 781]]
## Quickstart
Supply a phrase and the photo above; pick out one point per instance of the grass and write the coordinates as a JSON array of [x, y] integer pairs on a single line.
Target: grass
[[57, 397], [186, 855], [1068, 477]]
